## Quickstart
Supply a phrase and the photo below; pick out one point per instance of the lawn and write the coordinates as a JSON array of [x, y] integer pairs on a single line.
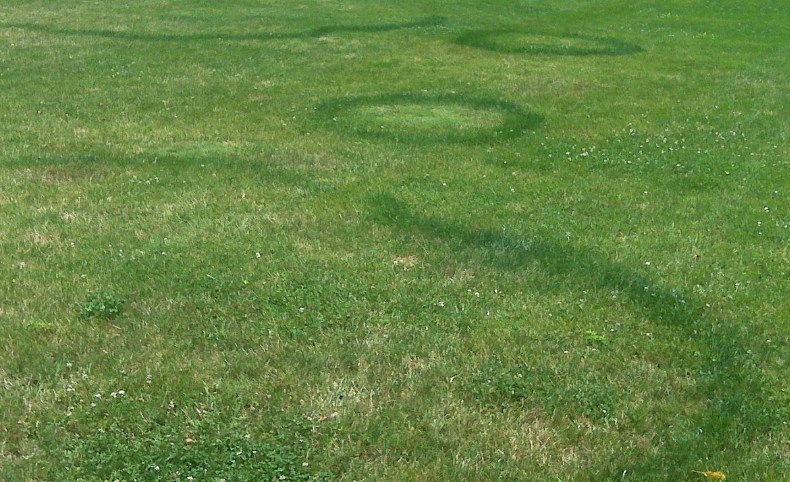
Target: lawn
[[371, 240]]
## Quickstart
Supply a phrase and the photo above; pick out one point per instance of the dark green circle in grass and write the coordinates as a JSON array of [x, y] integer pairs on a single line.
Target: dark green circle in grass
[[523, 41], [418, 118]]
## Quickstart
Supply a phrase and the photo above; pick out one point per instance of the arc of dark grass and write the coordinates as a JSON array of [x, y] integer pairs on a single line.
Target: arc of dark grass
[[172, 37], [600, 46], [738, 396]]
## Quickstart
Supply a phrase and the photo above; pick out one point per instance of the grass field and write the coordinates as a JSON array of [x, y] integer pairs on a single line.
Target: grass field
[[382, 241]]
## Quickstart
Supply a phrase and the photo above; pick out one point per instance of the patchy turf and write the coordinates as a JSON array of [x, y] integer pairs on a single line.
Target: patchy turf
[[542, 240]]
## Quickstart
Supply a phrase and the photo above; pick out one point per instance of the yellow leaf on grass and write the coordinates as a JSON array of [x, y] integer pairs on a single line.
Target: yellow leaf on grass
[[711, 475]]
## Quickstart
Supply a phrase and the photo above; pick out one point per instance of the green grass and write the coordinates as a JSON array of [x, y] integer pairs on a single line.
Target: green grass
[[369, 240]]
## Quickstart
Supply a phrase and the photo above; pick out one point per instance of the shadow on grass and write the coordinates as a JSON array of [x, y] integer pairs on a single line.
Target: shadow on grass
[[539, 43], [85, 168], [734, 393], [259, 36], [423, 126]]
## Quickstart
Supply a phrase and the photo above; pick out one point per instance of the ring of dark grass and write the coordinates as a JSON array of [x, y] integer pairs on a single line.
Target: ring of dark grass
[[601, 46], [516, 119]]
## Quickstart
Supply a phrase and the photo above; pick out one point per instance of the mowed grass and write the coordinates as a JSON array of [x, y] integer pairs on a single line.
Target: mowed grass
[[369, 240]]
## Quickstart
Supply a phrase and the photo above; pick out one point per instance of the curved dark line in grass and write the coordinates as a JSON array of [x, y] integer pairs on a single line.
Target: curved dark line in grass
[[737, 398], [172, 37], [517, 119], [601, 46]]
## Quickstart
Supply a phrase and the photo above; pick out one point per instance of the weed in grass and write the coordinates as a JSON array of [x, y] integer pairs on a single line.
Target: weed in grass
[[42, 327], [594, 338], [102, 304]]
